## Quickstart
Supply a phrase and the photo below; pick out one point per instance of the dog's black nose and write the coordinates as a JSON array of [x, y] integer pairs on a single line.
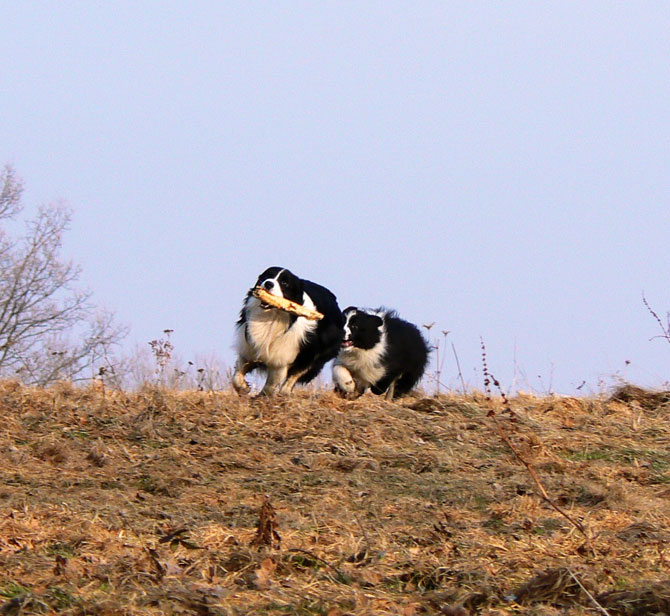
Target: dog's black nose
[[268, 284]]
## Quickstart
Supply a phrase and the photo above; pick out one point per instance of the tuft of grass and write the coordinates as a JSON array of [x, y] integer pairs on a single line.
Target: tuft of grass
[[60, 598], [12, 589]]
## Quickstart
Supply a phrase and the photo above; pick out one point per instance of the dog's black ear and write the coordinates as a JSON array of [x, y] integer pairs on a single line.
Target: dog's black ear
[[377, 320], [299, 286], [350, 309]]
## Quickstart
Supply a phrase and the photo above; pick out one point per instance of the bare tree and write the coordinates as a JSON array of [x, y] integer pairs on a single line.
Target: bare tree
[[49, 328]]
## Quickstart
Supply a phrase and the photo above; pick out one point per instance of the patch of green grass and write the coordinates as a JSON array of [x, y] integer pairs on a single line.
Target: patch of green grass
[[112, 484], [426, 579], [152, 485], [547, 527], [104, 422], [304, 608], [551, 524], [57, 548], [314, 479], [155, 444], [621, 583], [494, 524], [12, 589], [59, 598], [593, 454], [481, 502], [660, 464], [18, 480], [302, 561], [76, 434], [659, 460], [495, 450]]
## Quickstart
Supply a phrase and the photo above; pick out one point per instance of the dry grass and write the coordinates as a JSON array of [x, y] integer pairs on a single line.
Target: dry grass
[[197, 503]]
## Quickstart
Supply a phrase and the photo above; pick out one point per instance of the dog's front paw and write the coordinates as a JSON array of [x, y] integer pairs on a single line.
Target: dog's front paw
[[240, 384]]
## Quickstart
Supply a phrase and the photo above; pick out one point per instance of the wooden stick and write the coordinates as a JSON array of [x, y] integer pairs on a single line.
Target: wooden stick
[[286, 304]]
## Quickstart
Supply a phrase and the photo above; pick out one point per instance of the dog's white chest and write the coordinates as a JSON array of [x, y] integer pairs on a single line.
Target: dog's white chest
[[270, 338], [366, 365]]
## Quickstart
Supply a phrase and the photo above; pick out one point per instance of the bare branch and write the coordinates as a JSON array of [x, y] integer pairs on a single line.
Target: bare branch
[[10, 193], [49, 328]]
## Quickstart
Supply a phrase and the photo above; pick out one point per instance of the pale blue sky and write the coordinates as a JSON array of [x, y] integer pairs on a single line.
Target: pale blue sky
[[501, 168]]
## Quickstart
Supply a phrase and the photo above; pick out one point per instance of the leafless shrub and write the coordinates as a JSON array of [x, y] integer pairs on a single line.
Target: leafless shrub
[[158, 362], [49, 328]]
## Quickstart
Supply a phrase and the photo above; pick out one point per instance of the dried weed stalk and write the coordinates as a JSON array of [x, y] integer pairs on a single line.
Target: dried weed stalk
[[490, 379], [664, 328], [162, 351]]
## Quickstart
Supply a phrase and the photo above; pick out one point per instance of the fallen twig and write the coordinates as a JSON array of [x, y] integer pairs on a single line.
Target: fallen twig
[[599, 607]]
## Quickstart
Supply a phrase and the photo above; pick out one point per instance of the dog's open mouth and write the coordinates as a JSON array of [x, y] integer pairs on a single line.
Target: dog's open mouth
[[347, 344]]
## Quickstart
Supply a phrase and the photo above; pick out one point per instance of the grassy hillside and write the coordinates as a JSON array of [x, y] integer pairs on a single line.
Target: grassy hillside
[[197, 503]]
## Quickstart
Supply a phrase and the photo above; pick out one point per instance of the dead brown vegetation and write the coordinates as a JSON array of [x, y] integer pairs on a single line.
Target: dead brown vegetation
[[162, 502]]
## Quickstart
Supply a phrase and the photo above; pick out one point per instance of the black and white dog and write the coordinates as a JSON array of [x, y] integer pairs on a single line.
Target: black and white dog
[[291, 349], [379, 351]]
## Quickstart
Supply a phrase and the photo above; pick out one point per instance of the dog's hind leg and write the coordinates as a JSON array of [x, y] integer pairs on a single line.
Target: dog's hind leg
[[276, 376], [390, 392], [290, 382]]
